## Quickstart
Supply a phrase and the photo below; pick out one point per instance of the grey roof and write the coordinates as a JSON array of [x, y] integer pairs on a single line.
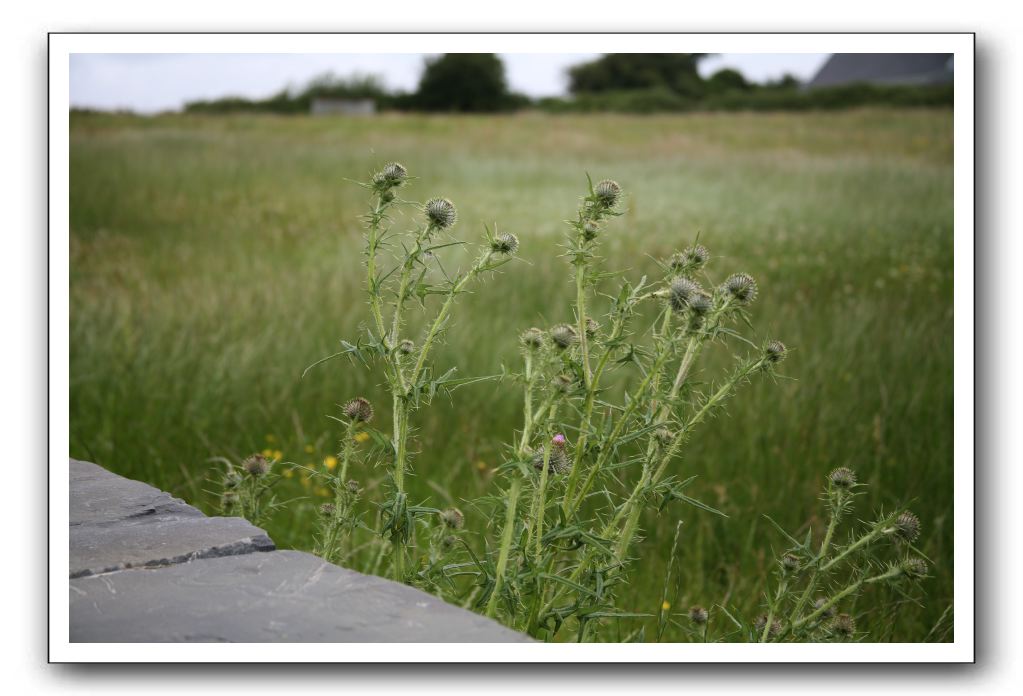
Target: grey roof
[[885, 68]]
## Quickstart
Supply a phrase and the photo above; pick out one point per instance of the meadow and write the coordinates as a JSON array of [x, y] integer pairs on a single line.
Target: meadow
[[213, 258]]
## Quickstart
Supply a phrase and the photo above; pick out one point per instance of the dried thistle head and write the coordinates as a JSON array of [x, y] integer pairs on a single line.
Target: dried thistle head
[[907, 527], [842, 478], [440, 213], [358, 410], [761, 623], [564, 336], [256, 465], [327, 509], [790, 563], [608, 192], [698, 615], [681, 292], [453, 518], [352, 486], [532, 338], [664, 436], [505, 244], [406, 347], [741, 287]]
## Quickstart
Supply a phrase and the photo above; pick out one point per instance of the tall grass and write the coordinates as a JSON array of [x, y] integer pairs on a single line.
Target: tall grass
[[214, 258]]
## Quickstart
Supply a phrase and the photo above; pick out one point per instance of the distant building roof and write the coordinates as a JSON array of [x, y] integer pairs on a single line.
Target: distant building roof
[[884, 68]]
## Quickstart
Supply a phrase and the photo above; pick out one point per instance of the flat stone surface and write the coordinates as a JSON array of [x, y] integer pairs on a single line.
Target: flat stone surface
[[147, 567], [281, 596], [117, 523]]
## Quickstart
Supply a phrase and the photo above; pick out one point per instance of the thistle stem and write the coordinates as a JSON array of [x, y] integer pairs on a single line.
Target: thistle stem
[[506, 541]]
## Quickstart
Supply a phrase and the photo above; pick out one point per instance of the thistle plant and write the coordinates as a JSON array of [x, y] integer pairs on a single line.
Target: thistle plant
[[247, 489], [404, 274], [817, 583]]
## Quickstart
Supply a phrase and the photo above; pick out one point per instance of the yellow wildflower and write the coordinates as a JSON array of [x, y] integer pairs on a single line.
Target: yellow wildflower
[[271, 438], [288, 473], [481, 465], [362, 437], [321, 491], [268, 453], [278, 454], [309, 449], [330, 462], [665, 605]]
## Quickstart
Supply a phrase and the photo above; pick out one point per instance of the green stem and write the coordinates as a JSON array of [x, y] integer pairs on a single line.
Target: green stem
[[506, 540]]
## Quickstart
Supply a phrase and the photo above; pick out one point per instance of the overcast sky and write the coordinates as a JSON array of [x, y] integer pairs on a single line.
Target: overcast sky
[[150, 82]]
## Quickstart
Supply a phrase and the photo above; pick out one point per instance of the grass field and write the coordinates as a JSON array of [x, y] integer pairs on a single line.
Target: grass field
[[214, 258]]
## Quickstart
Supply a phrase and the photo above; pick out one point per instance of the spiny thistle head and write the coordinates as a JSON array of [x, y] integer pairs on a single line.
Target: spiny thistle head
[[915, 567], [232, 479], [701, 304], [592, 327], [590, 230], [256, 465], [698, 615], [741, 287], [907, 527], [358, 410], [564, 336], [505, 244], [790, 563], [819, 603], [775, 352], [690, 259], [327, 509], [441, 213], [353, 486], [843, 625], [558, 460], [406, 347], [394, 173], [681, 292], [228, 500], [453, 518], [608, 192], [664, 436], [761, 623], [532, 338], [842, 478], [449, 541]]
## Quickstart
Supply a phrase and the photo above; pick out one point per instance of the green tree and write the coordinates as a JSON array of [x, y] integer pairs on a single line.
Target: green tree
[[629, 71], [728, 80], [463, 82]]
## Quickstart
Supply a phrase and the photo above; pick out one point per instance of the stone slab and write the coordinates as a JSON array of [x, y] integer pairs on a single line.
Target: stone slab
[[117, 524], [279, 596]]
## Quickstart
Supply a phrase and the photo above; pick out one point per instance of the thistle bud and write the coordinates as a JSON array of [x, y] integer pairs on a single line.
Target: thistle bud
[[842, 478], [441, 213], [256, 465], [681, 292], [327, 509], [761, 623], [352, 486], [228, 500], [564, 336], [532, 338], [608, 192], [449, 542], [394, 174], [819, 603], [775, 352], [232, 479], [915, 567], [452, 518], [406, 347], [505, 244], [843, 625], [701, 304], [907, 527], [698, 615], [358, 410], [691, 259], [790, 563], [664, 436], [592, 327], [558, 460], [590, 230], [740, 287]]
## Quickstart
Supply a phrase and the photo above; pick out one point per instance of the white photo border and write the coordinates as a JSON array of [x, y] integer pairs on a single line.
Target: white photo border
[[62, 45]]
